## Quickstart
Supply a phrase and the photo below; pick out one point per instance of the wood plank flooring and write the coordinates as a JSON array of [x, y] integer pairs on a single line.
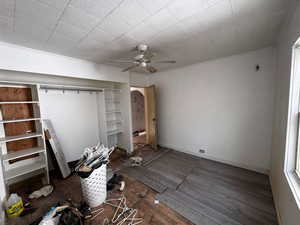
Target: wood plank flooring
[[222, 194], [212, 194], [209, 192]]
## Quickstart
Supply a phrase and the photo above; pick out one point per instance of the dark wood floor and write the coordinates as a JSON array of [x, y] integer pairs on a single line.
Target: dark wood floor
[[241, 191]]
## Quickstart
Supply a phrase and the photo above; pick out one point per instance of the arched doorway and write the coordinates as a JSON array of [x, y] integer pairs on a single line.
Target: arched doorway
[[138, 116]]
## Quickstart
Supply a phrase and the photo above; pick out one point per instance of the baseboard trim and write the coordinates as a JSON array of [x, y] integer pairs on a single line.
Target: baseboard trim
[[275, 203], [206, 156]]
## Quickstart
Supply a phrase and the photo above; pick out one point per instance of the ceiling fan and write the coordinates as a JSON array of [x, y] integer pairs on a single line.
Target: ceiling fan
[[143, 59]]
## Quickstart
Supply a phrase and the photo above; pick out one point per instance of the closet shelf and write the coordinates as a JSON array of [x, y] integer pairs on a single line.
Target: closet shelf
[[112, 101], [20, 137], [22, 153], [21, 170], [113, 132], [114, 121], [19, 120], [24, 102], [113, 90], [116, 111]]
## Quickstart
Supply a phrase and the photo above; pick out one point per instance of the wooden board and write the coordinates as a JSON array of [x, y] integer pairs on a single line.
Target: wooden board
[[18, 111], [57, 149], [13, 94]]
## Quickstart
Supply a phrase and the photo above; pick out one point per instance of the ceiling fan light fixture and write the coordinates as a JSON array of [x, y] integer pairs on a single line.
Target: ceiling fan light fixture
[[139, 57], [142, 47], [143, 64], [143, 59]]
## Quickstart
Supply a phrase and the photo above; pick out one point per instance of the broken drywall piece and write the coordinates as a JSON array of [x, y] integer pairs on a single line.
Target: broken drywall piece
[[56, 148]]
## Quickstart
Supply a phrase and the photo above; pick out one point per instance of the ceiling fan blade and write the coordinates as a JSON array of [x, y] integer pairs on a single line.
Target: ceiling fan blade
[[151, 69], [165, 61], [130, 67], [120, 61]]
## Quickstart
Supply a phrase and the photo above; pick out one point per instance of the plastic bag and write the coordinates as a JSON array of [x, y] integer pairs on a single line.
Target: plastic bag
[[14, 205], [52, 217]]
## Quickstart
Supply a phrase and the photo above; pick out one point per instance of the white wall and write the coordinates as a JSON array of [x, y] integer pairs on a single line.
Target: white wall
[[288, 211], [139, 79], [15, 76], [2, 197], [18, 58], [75, 119], [223, 106]]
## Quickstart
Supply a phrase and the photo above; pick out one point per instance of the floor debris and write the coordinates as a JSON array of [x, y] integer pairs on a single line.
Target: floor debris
[[44, 191], [123, 213], [136, 161]]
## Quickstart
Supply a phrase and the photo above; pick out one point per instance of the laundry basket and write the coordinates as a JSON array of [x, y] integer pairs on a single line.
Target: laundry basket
[[94, 187]]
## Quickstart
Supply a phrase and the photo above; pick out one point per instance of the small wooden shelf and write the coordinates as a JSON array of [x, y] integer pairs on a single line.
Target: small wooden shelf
[[20, 137], [19, 171], [22, 102], [22, 153], [19, 120]]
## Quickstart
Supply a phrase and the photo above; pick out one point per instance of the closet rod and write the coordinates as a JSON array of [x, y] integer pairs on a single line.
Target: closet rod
[[70, 89]]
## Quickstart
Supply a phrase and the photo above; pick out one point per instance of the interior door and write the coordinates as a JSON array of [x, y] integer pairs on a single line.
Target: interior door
[[150, 116]]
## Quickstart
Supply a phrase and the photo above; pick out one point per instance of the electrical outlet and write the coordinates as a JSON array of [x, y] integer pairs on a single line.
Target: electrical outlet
[[202, 151]]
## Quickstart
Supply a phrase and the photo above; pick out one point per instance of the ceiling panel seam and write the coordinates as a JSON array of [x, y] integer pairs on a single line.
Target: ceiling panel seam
[[105, 17], [58, 20]]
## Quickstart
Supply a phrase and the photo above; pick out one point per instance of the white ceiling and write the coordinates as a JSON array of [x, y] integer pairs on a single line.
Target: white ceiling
[[188, 31]]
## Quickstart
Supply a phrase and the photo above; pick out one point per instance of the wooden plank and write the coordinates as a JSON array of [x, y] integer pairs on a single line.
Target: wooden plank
[[185, 204], [236, 210], [20, 102], [15, 94], [18, 111], [260, 202], [20, 128], [235, 172], [170, 182], [57, 149], [147, 180], [249, 187]]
